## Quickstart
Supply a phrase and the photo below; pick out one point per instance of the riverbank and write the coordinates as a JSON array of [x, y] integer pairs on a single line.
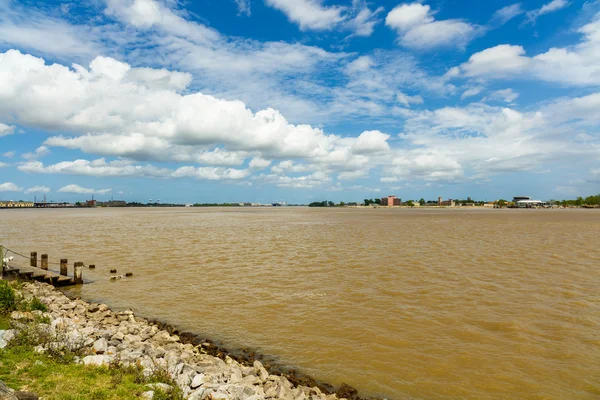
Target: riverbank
[[98, 337]]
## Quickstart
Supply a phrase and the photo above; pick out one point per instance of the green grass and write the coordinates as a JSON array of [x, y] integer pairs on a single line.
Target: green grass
[[23, 369]]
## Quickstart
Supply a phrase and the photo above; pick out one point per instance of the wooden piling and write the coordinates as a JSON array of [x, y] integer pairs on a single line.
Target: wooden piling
[[33, 259], [45, 261], [92, 266], [63, 266], [78, 272]]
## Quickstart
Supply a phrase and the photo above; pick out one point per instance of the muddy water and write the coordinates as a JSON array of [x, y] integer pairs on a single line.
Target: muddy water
[[475, 304]]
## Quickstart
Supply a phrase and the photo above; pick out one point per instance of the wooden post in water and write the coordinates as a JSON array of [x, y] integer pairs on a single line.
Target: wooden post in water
[[45, 261], [63, 266], [78, 272], [33, 259]]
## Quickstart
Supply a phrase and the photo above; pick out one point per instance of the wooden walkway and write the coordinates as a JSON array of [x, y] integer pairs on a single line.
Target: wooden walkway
[[28, 273]]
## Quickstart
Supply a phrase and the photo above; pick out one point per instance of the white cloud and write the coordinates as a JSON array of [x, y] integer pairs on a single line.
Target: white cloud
[[365, 19], [259, 163], [38, 189], [309, 14], [371, 142], [211, 173], [506, 95], [407, 100], [39, 153], [10, 187], [31, 29], [474, 91], [243, 7], [418, 29], [3, 164], [507, 13], [99, 167], [553, 6], [6, 130], [576, 65], [81, 190], [8, 154]]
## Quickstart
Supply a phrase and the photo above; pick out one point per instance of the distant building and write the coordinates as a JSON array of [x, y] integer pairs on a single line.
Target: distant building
[[90, 203], [446, 203], [391, 201], [516, 199], [16, 204], [530, 203], [115, 203]]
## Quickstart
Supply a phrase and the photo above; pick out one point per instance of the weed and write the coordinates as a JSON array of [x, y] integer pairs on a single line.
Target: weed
[[8, 298]]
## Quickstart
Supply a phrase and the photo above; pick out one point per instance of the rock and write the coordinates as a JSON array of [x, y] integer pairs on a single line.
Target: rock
[[148, 395], [260, 371], [26, 396], [346, 391], [5, 337], [199, 380], [6, 393], [98, 360], [100, 346], [18, 315]]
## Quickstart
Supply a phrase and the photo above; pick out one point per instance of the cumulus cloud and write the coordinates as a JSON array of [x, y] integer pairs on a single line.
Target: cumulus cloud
[[81, 190], [6, 130], [38, 189], [114, 110], [576, 65], [371, 142], [418, 29], [8, 154], [99, 167], [309, 14], [10, 187], [259, 163], [39, 153], [553, 6]]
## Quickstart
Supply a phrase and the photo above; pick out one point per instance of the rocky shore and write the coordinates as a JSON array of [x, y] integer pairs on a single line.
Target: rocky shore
[[199, 368]]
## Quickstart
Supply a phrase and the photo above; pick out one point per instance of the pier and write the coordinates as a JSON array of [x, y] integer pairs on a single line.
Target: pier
[[27, 269]]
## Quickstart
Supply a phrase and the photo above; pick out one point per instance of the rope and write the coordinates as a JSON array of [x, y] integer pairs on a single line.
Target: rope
[[14, 252], [27, 257]]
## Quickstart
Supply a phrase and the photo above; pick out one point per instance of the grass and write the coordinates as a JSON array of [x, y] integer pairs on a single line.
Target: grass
[[22, 368], [54, 374]]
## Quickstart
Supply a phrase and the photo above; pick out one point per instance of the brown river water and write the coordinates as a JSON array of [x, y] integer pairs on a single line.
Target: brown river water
[[403, 304]]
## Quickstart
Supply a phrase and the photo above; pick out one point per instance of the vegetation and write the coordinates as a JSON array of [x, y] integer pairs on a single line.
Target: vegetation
[[8, 298], [21, 367], [322, 204], [593, 200], [217, 205], [54, 374]]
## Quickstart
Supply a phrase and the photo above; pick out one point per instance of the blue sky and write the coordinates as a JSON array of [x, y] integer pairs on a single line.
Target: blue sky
[[298, 100]]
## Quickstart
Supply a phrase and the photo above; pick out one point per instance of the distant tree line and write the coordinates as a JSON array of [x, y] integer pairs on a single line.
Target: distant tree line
[[593, 200], [217, 205]]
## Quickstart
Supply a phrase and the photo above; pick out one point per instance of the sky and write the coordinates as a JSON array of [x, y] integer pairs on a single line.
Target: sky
[[298, 100]]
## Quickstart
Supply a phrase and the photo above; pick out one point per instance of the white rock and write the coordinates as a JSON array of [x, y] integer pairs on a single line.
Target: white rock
[[100, 346], [199, 380], [5, 337], [98, 360], [148, 395]]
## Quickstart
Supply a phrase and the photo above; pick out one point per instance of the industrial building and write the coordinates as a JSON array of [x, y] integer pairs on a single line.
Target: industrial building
[[391, 201]]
